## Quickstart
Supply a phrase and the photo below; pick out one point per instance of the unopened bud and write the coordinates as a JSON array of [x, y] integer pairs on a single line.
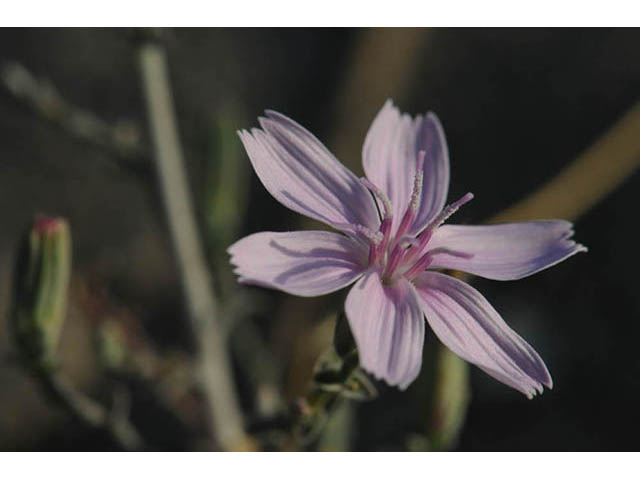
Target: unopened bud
[[41, 282]]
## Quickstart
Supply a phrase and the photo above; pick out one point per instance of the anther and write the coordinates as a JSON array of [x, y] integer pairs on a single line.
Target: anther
[[412, 209], [449, 210], [416, 195]]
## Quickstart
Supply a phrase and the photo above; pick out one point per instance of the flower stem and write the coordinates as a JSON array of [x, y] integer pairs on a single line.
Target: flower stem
[[213, 362]]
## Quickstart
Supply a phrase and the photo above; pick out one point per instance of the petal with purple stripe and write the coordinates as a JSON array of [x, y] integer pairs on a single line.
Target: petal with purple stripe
[[308, 263], [303, 175], [388, 326], [390, 157], [507, 251], [468, 325]]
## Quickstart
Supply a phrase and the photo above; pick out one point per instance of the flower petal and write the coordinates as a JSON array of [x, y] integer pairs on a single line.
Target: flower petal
[[307, 263], [466, 323], [390, 157], [303, 175], [505, 252], [388, 327]]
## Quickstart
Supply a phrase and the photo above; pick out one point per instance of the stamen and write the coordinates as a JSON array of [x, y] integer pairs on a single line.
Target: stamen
[[427, 233], [449, 210], [412, 209], [417, 183], [373, 254], [394, 260], [386, 203], [373, 237], [399, 253], [426, 260], [385, 229], [408, 241], [422, 242]]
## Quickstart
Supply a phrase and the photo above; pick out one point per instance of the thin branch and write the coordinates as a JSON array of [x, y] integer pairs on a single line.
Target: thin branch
[[212, 357], [115, 422], [122, 139]]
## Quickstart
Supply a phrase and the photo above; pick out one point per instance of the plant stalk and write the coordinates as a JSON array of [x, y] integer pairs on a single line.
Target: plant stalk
[[213, 363]]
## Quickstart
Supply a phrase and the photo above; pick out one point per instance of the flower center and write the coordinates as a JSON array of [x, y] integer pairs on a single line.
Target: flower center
[[402, 254]]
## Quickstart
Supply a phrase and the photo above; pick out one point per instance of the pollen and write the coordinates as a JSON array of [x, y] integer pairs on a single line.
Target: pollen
[[416, 195]]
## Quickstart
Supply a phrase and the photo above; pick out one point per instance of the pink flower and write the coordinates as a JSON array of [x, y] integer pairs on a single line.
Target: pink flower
[[393, 241]]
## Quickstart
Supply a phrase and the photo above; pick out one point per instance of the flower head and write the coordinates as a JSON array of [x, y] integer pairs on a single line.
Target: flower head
[[393, 241]]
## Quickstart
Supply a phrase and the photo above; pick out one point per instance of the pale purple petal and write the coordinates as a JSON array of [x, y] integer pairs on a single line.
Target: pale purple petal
[[466, 323], [388, 326], [390, 157], [303, 175], [306, 263], [505, 252]]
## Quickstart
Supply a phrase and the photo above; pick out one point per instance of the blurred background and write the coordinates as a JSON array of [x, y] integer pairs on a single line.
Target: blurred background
[[517, 105]]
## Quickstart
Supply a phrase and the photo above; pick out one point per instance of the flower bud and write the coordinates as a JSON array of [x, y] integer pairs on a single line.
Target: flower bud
[[41, 282]]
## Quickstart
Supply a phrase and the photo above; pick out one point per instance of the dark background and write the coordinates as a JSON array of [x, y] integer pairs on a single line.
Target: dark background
[[517, 106]]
